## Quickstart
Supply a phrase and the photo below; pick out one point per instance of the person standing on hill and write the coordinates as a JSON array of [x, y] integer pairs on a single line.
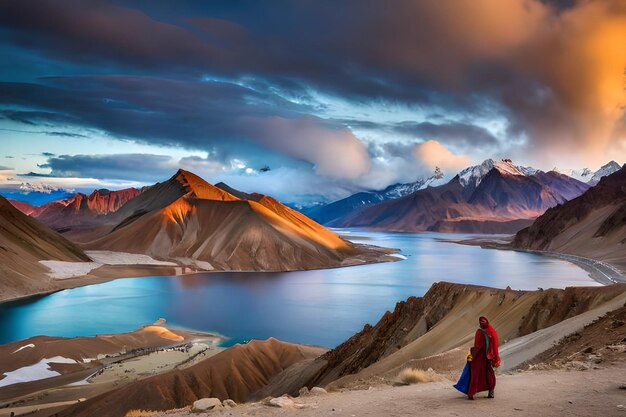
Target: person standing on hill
[[485, 358]]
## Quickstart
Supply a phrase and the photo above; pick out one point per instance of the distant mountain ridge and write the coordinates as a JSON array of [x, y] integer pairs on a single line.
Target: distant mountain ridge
[[589, 176], [493, 197], [79, 209], [333, 211]]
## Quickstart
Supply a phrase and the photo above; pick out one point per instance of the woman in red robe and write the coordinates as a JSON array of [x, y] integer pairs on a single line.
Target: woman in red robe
[[485, 357]]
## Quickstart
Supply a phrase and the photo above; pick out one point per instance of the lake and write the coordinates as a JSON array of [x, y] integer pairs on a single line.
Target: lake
[[321, 307]]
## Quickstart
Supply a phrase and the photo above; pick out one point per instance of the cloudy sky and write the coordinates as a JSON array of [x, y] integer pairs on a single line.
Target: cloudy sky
[[305, 99]]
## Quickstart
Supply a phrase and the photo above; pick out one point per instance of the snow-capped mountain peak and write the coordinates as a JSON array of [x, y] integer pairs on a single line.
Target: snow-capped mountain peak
[[589, 176], [582, 175], [400, 190], [472, 176], [604, 170]]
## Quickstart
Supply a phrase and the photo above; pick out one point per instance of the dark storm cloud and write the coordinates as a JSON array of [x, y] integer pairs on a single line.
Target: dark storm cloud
[[379, 53], [88, 30], [49, 154], [211, 116], [553, 70], [164, 111], [123, 167]]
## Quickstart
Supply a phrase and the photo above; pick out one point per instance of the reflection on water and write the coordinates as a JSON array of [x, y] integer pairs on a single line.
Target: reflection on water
[[322, 307]]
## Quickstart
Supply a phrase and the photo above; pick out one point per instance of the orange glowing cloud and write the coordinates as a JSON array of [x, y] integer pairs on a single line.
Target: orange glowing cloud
[[433, 154]]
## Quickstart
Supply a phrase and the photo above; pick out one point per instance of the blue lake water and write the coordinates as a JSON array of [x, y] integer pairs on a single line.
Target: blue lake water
[[321, 307]]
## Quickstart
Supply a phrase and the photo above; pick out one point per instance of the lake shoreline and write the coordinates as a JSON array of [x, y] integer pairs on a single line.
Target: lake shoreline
[[370, 254], [602, 272]]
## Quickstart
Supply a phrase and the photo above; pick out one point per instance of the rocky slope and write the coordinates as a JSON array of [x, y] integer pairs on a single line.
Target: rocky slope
[[23, 243], [592, 225], [489, 198], [443, 319], [188, 218]]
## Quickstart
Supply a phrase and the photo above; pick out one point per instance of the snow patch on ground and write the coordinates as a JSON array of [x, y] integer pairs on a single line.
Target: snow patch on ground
[[35, 372], [30, 345], [124, 258], [63, 270]]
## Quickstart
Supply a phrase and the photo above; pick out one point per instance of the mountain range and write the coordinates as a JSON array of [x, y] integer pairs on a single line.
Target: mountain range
[[589, 176], [328, 213], [81, 209], [506, 202], [493, 197], [466, 210]]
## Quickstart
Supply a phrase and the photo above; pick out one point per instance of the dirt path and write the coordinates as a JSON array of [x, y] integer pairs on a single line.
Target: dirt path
[[537, 393]]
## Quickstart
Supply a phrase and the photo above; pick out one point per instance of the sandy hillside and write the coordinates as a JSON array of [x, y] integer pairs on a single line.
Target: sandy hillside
[[194, 220], [23, 243]]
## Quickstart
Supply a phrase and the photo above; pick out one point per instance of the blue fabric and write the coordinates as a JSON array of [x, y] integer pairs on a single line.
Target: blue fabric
[[464, 380]]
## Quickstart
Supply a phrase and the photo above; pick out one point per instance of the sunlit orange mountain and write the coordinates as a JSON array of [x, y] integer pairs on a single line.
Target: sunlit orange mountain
[[187, 219], [23, 242]]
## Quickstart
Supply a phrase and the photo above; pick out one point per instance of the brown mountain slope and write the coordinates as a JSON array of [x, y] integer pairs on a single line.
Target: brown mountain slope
[[414, 212], [26, 208], [207, 224], [306, 225], [501, 203], [592, 225], [23, 242], [514, 314], [235, 373]]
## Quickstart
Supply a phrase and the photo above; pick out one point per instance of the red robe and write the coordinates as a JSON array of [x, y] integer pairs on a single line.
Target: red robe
[[482, 375]]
